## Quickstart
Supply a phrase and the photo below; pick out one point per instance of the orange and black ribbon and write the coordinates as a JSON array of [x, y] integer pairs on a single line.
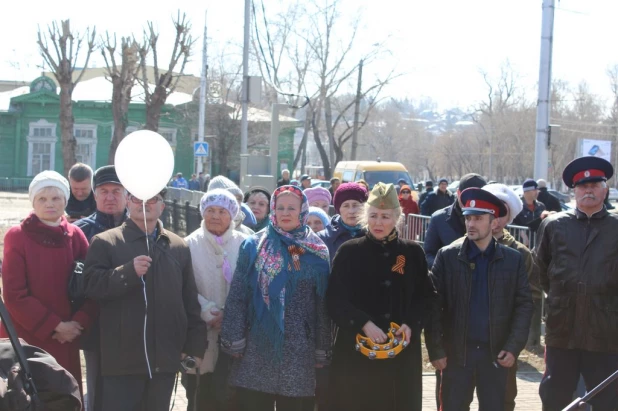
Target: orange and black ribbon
[[401, 262], [296, 252]]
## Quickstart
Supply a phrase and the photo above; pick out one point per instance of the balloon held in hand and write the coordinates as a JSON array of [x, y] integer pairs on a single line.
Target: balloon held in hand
[[144, 163]]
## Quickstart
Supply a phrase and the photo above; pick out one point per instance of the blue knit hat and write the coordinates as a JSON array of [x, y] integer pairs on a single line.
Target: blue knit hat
[[318, 212]]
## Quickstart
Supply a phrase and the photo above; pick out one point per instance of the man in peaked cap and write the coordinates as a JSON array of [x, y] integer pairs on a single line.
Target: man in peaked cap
[[474, 340], [576, 252]]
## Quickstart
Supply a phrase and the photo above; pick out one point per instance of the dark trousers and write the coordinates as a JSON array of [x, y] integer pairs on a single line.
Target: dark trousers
[[250, 400], [138, 392], [94, 380], [202, 394], [212, 392], [562, 370], [458, 382], [321, 388], [511, 388]]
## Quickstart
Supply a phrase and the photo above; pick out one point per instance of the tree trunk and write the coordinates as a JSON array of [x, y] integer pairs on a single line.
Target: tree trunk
[[321, 150], [66, 129], [121, 97], [153, 110]]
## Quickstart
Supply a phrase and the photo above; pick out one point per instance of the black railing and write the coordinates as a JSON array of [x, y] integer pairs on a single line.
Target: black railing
[[15, 184]]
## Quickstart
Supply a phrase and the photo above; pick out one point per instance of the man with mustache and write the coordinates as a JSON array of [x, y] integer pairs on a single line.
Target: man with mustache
[[577, 256]]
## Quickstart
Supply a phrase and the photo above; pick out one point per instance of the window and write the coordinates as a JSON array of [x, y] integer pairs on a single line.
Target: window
[[41, 157], [86, 148], [41, 146], [169, 134], [348, 176]]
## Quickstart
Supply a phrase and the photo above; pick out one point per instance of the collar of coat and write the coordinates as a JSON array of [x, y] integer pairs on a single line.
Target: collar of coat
[[465, 244], [602, 213], [133, 233]]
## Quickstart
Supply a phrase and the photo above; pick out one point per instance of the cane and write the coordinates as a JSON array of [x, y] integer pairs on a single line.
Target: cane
[[580, 402]]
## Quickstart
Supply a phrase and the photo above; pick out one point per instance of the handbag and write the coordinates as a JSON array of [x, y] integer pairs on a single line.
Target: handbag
[[77, 294]]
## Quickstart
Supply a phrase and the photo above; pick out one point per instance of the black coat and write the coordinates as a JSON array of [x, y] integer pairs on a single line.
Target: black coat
[[530, 219], [436, 200], [510, 303], [551, 203], [577, 258], [364, 287]]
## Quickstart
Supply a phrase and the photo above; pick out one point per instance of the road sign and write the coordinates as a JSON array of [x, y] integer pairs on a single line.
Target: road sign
[[200, 149]]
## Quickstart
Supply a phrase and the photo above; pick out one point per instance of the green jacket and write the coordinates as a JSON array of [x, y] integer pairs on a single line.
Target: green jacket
[[531, 268]]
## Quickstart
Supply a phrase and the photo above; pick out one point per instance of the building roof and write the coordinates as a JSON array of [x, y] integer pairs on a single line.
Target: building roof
[[6, 96]]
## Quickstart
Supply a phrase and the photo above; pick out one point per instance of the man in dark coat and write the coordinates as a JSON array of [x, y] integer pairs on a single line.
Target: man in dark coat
[[142, 277], [447, 225], [551, 203], [481, 318], [533, 211], [111, 202], [285, 178], [576, 252], [428, 189], [438, 199], [81, 202]]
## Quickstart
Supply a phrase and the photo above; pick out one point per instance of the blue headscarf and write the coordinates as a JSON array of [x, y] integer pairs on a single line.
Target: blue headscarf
[[283, 258]]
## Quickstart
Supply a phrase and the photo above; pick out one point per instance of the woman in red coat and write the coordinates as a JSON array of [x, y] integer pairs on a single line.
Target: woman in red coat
[[407, 203], [38, 258]]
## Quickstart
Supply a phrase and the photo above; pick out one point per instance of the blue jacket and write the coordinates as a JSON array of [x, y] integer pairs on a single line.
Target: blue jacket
[[335, 234], [97, 222], [445, 226], [436, 200]]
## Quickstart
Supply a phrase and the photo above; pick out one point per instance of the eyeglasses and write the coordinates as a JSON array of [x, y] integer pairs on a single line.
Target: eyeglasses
[[153, 200]]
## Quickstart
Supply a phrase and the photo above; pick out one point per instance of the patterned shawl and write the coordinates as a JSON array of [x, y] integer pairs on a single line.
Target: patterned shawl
[[284, 258]]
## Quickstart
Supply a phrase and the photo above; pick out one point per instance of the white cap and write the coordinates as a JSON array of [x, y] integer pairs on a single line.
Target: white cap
[[48, 178], [508, 197]]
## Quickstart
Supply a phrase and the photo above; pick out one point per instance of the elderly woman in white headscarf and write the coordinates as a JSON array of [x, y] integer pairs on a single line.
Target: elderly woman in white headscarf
[[38, 259], [214, 252]]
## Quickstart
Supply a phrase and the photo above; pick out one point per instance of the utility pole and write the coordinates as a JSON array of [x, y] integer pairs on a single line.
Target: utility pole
[[357, 110], [542, 143], [203, 85], [244, 124]]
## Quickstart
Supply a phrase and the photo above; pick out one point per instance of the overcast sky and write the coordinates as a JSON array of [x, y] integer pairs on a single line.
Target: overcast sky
[[440, 44]]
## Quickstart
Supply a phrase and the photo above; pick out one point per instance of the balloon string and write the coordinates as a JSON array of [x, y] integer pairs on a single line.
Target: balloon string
[[146, 228]]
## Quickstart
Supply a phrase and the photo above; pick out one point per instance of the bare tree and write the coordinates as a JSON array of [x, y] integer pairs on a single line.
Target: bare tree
[[165, 82], [62, 62], [122, 75]]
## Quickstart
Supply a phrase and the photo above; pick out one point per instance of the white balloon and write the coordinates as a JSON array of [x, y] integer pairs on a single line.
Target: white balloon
[[144, 163]]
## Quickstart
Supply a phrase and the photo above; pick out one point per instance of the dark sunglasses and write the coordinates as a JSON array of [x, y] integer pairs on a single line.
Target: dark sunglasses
[[405, 192], [153, 200]]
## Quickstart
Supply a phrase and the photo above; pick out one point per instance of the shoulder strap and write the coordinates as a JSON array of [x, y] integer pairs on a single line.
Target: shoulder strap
[[25, 373]]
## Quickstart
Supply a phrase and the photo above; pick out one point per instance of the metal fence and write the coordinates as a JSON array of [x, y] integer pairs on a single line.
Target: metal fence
[[182, 211], [416, 228], [15, 184]]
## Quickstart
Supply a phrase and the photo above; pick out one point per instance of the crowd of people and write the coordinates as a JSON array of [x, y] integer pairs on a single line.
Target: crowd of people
[[274, 302]]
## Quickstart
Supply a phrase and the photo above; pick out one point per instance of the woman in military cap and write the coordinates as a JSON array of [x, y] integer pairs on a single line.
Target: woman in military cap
[[378, 289]]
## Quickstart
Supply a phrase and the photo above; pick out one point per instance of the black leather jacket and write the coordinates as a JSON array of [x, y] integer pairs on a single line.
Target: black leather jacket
[[510, 303], [577, 258]]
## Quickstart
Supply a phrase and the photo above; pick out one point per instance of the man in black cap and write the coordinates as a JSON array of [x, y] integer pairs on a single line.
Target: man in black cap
[[532, 213], [111, 203], [480, 320], [305, 181], [577, 256], [438, 199], [447, 225]]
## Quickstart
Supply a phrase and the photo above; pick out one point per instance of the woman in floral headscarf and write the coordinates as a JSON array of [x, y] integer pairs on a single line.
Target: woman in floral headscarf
[[275, 322]]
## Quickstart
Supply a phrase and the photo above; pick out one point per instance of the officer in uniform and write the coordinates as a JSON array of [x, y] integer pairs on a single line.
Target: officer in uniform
[[480, 321], [577, 256]]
